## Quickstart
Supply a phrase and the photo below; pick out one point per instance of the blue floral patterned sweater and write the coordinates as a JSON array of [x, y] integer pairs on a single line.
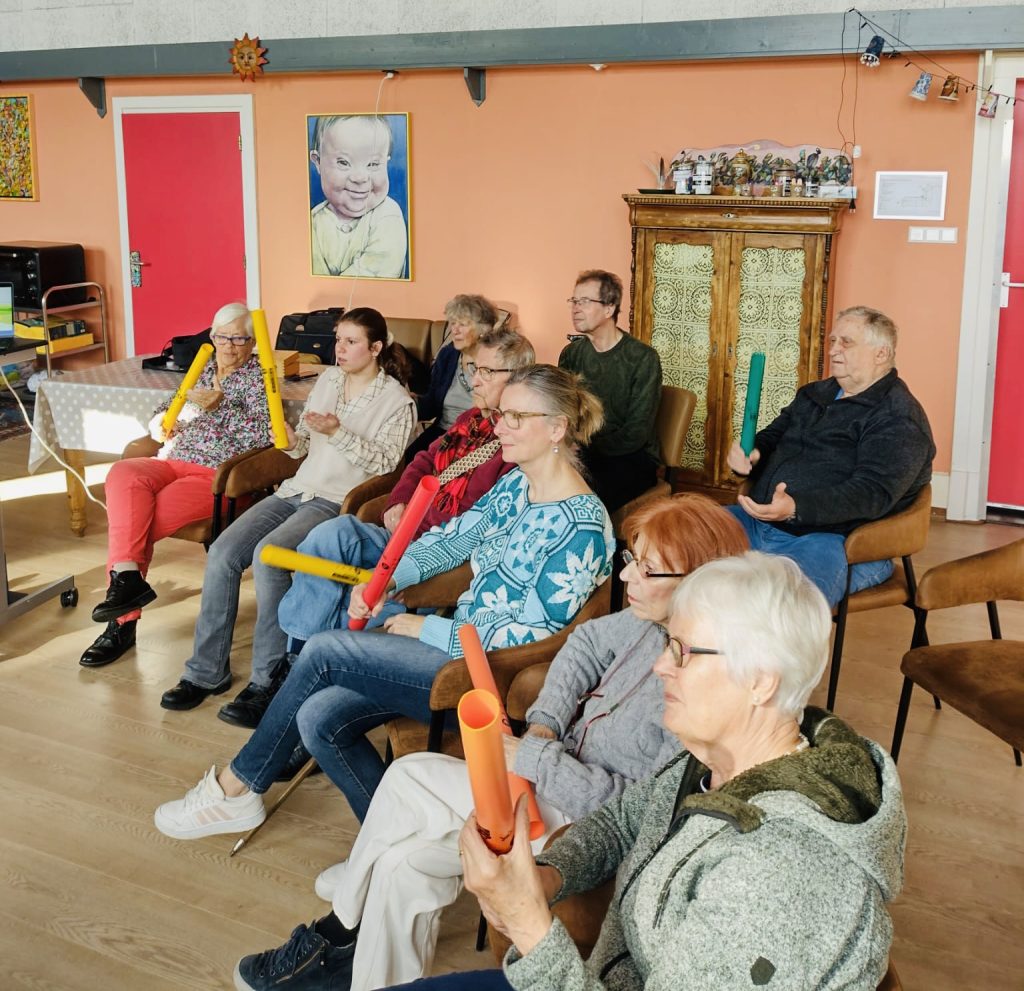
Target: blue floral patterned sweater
[[534, 564]]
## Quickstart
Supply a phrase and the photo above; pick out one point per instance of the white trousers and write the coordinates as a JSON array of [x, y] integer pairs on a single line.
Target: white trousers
[[404, 867]]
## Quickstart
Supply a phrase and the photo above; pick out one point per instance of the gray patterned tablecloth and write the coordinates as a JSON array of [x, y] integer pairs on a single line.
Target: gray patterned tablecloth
[[102, 409]]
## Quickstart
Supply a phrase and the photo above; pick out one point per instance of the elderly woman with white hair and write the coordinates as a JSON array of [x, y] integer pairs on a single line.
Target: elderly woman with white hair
[[762, 856], [149, 498]]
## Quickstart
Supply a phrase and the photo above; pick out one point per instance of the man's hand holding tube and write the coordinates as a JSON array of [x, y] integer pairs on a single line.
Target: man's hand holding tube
[[513, 891]]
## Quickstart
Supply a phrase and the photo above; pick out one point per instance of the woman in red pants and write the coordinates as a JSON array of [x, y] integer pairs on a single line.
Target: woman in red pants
[[149, 498]]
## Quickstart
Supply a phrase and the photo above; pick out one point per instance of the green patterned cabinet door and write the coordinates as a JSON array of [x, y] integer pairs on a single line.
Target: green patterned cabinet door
[[681, 330], [771, 319], [716, 278]]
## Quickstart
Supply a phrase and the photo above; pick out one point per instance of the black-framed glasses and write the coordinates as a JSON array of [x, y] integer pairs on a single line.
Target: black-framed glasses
[[681, 652], [222, 339], [645, 569], [486, 373], [512, 417], [580, 300]]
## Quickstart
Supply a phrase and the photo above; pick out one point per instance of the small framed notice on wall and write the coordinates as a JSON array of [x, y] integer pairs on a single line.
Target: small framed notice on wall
[[910, 195]]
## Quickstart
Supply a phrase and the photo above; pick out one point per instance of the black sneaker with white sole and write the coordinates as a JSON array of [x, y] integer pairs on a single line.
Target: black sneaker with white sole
[[306, 962]]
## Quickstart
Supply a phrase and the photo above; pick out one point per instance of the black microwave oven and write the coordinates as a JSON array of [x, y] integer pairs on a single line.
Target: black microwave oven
[[32, 267]]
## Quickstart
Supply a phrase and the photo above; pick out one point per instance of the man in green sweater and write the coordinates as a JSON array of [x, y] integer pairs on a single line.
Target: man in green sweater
[[622, 458]]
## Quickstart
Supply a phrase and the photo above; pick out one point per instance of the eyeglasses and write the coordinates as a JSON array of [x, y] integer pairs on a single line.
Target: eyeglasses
[[645, 569], [486, 374], [580, 300], [237, 341], [513, 417], [681, 652]]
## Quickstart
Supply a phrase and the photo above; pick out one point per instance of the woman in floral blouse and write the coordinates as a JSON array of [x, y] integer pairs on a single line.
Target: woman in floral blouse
[[149, 498], [539, 543]]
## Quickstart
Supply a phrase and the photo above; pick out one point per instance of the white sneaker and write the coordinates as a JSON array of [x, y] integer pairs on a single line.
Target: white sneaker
[[327, 881], [206, 810]]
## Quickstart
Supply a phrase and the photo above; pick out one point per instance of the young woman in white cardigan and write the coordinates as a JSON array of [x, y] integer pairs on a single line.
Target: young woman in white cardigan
[[356, 424]]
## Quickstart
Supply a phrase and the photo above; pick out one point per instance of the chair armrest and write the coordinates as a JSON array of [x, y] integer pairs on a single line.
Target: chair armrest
[[141, 447], [525, 688], [441, 590], [260, 469], [899, 535], [986, 577], [379, 485], [372, 510]]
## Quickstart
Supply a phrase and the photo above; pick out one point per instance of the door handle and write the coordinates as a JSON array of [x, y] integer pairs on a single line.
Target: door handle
[[1005, 285], [136, 264]]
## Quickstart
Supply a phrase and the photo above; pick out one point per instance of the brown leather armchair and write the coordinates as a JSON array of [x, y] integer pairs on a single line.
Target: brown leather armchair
[[223, 488], [983, 679], [452, 681]]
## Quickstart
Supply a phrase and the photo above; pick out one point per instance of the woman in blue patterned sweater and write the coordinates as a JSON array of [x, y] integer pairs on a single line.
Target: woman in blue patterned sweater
[[539, 543]]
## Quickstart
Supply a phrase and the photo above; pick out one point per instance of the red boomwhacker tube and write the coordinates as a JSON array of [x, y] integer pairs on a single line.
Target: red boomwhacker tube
[[480, 725], [411, 519], [483, 678]]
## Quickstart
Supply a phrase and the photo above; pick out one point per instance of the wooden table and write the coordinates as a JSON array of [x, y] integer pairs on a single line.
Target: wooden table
[[101, 409]]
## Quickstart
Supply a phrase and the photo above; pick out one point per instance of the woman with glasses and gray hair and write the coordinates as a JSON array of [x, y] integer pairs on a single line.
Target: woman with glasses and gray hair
[[762, 855], [451, 375], [595, 726], [150, 498], [539, 544]]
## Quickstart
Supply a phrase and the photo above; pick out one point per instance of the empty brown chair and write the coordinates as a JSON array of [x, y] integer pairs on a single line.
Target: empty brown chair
[[983, 679]]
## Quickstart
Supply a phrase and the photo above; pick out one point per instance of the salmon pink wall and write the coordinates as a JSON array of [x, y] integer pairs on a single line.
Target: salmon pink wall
[[511, 199]]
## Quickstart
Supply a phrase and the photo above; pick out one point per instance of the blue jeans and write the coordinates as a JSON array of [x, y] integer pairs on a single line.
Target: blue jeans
[[820, 556], [312, 604], [470, 980], [283, 522], [342, 685]]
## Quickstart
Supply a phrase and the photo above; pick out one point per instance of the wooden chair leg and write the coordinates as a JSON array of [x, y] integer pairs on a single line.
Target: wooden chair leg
[[305, 771], [901, 718]]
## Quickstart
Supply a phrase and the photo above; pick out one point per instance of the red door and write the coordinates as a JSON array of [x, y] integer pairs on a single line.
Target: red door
[[183, 178], [1006, 462]]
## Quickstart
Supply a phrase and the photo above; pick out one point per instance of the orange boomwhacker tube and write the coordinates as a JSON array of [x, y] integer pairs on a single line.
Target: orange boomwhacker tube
[[270, 383], [483, 678], [480, 724], [188, 382], [411, 519]]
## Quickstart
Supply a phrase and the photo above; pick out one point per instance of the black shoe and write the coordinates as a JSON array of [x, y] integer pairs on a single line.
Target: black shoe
[[110, 644], [249, 705], [128, 590], [185, 695], [307, 962], [298, 760]]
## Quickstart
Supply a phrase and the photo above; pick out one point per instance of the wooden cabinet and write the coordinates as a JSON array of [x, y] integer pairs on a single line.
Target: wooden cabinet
[[716, 278]]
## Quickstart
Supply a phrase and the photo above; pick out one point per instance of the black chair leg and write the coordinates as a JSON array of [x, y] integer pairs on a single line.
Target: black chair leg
[[937, 701], [389, 755], [481, 933], [1016, 756], [837, 654], [618, 595], [436, 733], [901, 718]]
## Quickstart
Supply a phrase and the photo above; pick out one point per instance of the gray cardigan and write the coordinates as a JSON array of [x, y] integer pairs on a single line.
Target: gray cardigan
[[777, 879], [627, 744]]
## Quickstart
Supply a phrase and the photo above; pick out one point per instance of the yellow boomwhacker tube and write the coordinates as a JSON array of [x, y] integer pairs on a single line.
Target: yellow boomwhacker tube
[[281, 557], [270, 383], [188, 382]]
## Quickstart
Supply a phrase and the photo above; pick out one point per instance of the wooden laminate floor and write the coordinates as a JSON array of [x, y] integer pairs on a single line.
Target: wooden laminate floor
[[94, 897]]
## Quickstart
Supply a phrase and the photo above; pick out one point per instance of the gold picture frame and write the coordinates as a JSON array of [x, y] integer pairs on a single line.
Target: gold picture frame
[[18, 178], [363, 229]]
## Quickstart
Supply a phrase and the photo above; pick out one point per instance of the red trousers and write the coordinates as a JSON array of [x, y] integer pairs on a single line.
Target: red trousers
[[147, 500]]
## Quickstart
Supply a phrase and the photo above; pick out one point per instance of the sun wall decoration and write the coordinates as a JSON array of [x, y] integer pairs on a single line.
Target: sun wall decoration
[[247, 59]]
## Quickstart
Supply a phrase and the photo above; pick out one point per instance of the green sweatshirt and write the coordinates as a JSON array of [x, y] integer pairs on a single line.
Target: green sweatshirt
[[777, 879], [627, 380]]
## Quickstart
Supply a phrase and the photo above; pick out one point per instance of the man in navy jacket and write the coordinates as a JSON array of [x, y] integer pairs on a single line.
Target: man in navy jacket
[[849, 449]]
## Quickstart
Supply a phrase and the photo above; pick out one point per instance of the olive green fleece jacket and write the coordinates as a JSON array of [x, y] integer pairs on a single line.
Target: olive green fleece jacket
[[777, 879]]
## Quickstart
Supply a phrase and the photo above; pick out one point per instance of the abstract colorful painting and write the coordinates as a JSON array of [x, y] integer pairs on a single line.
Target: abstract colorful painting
[[17, 153]]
